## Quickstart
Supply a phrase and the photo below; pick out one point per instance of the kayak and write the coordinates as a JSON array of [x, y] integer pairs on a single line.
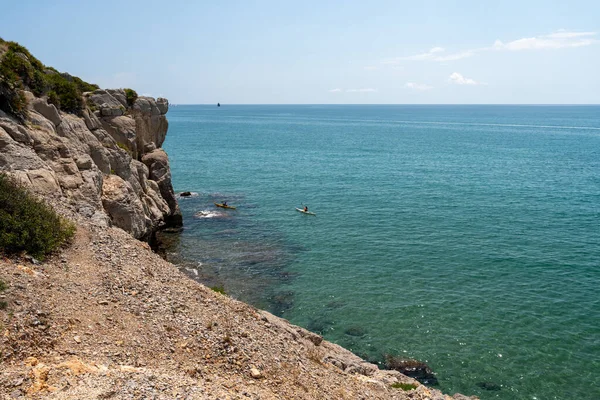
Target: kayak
[[224, 206], [305, 212]]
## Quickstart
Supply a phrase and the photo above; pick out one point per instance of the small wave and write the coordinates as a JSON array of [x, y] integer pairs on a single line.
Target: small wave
[[210, 214], [192, 270]]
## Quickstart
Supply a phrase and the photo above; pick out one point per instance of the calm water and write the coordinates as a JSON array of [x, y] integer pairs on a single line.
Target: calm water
[[464, 236]]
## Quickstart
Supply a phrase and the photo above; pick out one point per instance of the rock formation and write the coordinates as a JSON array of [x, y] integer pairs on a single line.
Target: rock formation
[[108, 163]]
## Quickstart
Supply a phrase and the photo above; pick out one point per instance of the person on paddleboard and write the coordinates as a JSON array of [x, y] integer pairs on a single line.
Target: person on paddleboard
[[225, 203], [305, 209]]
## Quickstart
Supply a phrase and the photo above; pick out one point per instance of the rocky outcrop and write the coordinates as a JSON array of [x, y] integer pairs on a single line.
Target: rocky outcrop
[[107, 163]]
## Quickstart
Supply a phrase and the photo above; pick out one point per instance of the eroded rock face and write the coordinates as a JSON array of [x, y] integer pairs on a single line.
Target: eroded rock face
[[108, 164]]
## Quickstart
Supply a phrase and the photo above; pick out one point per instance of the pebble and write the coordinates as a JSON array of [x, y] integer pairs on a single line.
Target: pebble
[[255, 373]]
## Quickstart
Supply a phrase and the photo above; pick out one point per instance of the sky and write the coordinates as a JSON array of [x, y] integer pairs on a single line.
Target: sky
[[321, 52]]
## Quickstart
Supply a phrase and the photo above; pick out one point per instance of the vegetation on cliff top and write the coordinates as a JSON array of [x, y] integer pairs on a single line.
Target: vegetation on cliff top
[[28, 224], [19, 70], [131, 96]]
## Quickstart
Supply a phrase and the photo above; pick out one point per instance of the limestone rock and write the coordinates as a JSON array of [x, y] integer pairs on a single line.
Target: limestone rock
[[160, 172], [123, 130], [163, 105], [107, 111], [146, 105], [49, 111], [124, 208], [119, 95], [93, 163], [91, 120], [102, 98], [255, 373], [18, 133]]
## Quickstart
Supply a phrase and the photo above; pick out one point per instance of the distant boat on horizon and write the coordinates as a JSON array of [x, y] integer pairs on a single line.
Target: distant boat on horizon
[[218, 104]]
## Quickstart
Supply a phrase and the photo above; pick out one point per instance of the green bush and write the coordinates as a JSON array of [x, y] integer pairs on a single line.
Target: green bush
[[28, 224], [53, 98], [84, 86], [39, 83], [12, 99], [219, 289], [20, 70], [15, 67], [131, 96], [68, 93]]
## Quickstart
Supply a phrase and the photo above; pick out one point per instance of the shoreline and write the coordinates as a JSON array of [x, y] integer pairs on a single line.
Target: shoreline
[[111, 312]]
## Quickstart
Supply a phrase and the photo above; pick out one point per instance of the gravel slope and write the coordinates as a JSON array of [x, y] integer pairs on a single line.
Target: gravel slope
[[109, 319]]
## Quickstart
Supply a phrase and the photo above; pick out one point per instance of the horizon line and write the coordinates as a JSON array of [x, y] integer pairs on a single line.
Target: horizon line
[[386, 104]]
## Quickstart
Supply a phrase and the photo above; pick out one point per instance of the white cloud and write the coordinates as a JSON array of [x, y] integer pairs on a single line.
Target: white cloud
[[557, 40], [336, 90], [457, 56], [458, 79], [562, 33], [370, 68], [366, 90], [418, 86], [435, 54]]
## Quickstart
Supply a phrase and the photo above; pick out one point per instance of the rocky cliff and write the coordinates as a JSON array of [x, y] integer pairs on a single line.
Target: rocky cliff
[[108, 163]]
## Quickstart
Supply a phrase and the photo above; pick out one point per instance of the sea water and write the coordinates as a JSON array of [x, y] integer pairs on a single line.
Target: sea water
[[467, 237]]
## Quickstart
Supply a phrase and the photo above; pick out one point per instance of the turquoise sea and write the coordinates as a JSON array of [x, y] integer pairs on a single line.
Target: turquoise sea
[[467, 237]]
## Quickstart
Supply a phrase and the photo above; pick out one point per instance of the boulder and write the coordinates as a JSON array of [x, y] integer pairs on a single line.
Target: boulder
[[123, 130], [91, 120], [147, 106], [107, 111], [49, 111], [44, 181], [412, 368], [163, 105], [119, 95], [123, 207], [160, 172], [103, 98], [18, 133]]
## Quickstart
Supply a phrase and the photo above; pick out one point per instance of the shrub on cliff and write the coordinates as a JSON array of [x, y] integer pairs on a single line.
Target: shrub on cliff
[[69, 95], [131, 96], [12, 100], [20, 70], [29, 224]]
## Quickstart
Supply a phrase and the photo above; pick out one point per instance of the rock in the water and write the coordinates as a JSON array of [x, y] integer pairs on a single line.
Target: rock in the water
[[489, 385], [413, 368]]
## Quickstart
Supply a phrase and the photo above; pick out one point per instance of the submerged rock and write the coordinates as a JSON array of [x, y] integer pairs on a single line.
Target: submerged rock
[[412, 368], [357, 331], [489, 385]]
